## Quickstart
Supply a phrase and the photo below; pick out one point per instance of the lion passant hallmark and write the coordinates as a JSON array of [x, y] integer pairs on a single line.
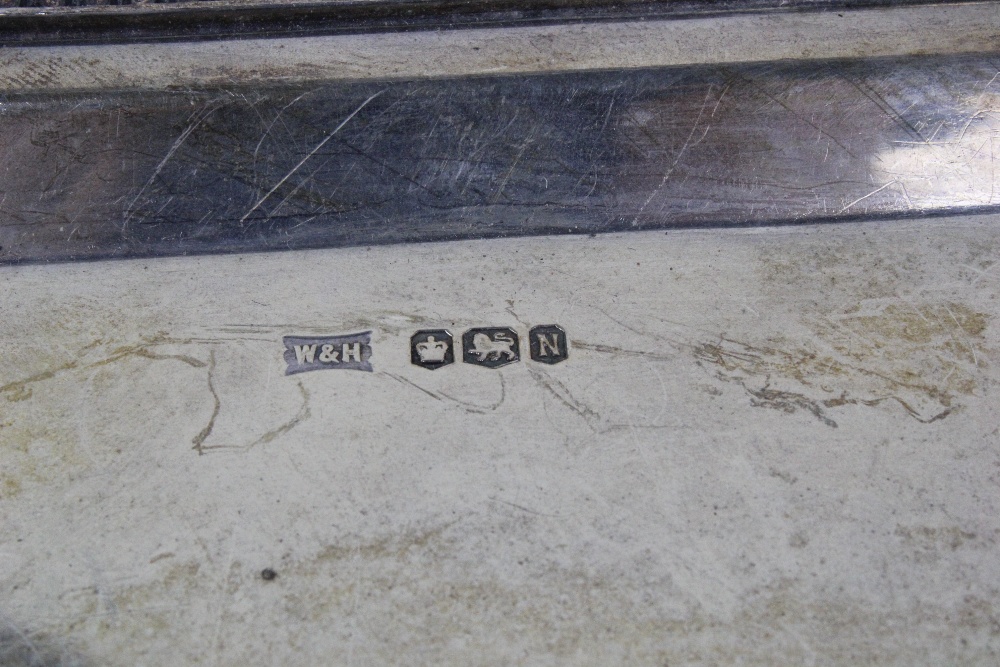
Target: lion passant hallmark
[[491, 347]]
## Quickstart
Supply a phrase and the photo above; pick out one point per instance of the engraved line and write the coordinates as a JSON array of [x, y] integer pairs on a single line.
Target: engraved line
[[198, 120], [874, 192], [311, 153]]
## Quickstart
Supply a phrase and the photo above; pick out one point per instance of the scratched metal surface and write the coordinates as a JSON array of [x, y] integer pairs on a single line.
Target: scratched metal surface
[[98, 175], [767, 447]]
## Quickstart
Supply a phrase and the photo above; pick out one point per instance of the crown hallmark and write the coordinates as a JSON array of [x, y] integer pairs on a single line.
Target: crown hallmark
[[432, 349]]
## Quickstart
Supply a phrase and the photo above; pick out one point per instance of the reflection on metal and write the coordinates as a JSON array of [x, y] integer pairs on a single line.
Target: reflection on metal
[[336, 164]]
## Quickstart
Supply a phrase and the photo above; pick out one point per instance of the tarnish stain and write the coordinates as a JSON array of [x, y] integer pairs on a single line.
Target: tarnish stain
[[787, 401], [160, 557], [949, 537], [302, 415], [38, 447], [745, 365], [401, 579], [921, 357], [391, 546], [440, 575], [203, 434], [949, 328], [9, 486], [20, 390]]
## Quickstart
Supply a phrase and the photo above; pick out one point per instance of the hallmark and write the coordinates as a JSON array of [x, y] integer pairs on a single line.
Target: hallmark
[[351, 352], [491, 347], [547, 343], [432, 348]]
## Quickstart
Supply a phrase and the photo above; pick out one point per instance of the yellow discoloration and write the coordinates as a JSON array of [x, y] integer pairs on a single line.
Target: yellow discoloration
[[921, 357], [925, 323], [579, 614], [9, 486], [20, 390], [42, 442]]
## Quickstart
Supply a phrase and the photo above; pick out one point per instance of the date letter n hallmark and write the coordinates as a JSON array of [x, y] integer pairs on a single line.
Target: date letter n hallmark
[[548, 344], [351, 352]]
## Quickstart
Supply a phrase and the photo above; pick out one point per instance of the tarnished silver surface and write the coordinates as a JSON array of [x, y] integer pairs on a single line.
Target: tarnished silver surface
[[768, 447], [148, 173], [758, 446]]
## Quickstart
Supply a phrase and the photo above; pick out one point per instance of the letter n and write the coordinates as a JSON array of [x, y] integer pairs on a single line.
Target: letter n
[[548, 344]]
